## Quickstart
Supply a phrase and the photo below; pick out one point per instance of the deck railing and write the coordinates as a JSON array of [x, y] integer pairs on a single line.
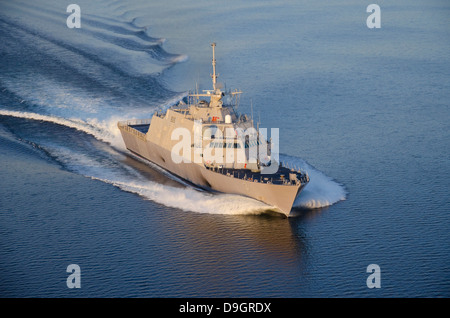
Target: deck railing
[[279, 178], [125, 125]]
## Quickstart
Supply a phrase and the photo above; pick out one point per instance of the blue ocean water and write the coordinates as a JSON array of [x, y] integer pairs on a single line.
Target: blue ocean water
[[364, 111]]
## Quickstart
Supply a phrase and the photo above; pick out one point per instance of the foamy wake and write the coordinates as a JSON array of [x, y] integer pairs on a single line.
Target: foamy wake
[[112, 171], [102, 130], [189, 199], [321, 191]]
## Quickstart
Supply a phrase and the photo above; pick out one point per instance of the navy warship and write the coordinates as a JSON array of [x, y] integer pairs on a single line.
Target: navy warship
[[205, 141]]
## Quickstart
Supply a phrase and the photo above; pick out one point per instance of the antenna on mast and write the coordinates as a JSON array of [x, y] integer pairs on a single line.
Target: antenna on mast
[[251, 108], [259, 120], [213, 75], [196, 91]]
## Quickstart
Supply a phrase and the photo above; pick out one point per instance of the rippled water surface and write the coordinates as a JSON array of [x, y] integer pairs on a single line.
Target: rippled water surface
[[364, 111]]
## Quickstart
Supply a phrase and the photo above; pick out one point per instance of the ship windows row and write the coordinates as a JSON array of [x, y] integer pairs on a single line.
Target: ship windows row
[[216, 144], [248, 143]]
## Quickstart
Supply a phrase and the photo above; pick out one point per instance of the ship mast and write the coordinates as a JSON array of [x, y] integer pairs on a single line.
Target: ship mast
[[215, 94], [213, 75]]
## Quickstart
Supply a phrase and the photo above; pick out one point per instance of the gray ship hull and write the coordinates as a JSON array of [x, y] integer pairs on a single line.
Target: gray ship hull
[[279, 197]]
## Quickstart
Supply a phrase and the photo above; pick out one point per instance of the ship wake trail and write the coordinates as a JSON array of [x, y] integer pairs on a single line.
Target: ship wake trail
[[189, 199], [95, 157], [109, 64], [321, 192], [68, 94], [106, 163]]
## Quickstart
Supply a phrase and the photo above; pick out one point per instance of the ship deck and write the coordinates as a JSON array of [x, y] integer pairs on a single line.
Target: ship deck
[[143, 128], [281, 177]]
